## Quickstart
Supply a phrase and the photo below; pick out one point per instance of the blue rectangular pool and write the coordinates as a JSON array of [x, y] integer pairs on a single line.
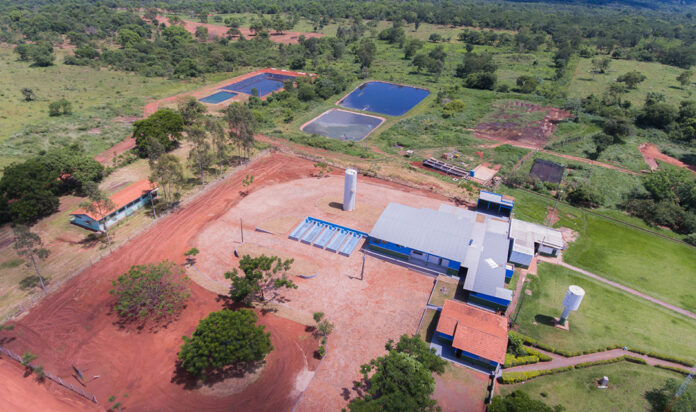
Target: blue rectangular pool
[[384, 98], [264, 83], [218, 97], [342, 125]]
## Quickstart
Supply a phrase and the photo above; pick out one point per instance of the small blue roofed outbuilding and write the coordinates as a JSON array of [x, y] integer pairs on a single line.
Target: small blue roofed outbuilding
[[489, 202]]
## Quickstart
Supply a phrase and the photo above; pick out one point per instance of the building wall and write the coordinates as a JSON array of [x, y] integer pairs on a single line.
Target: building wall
[[548, 251], [85, 221], [407, 254], [127, 210]]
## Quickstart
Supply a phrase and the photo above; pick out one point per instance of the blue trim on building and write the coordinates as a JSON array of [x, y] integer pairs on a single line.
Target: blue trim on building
[[313, 219], [88, 223], [492, 299]]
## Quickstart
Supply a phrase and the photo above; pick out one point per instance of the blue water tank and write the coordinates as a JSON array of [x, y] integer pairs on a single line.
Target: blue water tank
[[471, 173]]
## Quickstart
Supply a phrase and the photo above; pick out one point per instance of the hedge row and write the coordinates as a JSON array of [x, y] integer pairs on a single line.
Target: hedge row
[[627, 358], [516, 377], [668, 358], [537, 344], [673, 369], [512, 361], [542, 356]]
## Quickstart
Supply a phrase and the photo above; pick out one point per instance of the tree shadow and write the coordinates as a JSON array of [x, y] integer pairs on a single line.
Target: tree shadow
[[32, 281], [137, 325], [212, 376], [657, 399], [545, 320]]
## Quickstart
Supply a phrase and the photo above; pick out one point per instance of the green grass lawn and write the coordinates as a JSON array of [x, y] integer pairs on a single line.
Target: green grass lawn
[[606, 316], [576, 391], [659, 78], [429, 324], [444, 289]]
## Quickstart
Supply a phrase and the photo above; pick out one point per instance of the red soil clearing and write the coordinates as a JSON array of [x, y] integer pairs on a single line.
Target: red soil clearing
[[214, 30], [75, 326], [651, 154]]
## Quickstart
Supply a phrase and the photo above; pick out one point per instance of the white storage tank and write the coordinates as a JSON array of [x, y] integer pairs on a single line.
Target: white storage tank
[[349, 189], [571, 301]]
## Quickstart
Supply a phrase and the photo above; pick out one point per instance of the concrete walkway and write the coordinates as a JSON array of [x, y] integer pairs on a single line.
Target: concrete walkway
[[559, 261], [560, 361]]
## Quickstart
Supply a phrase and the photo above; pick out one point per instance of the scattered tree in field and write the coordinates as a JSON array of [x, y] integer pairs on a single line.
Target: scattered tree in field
[[200, 155], [242, 125], [365, 51], [324, 329], [164, 125], [401, 380], [262, 274], [519, 401], [246, 182], [39, 372], [153, 291], [60, 107], [527, 84], [191, 111], [411, 46], [169, 175], [28, 94], [191, 255], [219, 142], [27, 358], [222, 339], [99, 204], [631, 79], [684, 78], [584, 194], [600, 64], [28, 244], [202, 33]]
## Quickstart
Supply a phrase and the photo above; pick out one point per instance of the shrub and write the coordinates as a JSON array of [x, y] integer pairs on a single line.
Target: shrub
[[452, 108], [512, 361], [515, 377], [27, 358], [542, 356], [673, 369]]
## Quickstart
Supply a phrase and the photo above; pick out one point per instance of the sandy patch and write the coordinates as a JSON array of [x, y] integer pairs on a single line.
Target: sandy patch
[[281, 225], [300, 266], [569, 235]]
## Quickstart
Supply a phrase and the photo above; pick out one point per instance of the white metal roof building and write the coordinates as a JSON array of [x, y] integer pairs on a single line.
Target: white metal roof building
[[528, 238], [449, 238]]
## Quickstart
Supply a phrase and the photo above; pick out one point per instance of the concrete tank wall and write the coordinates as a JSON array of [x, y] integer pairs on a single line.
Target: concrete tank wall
[[349, 188]]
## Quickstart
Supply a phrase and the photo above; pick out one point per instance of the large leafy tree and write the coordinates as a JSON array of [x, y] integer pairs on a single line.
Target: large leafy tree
[[262, 274], [168, 172], [28, 244], [153, 291], [222, 339], [402, 380], [242, 125], [164, 125]]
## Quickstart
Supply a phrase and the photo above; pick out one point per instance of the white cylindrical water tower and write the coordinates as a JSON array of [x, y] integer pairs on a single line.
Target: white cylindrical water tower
[[349, 189], [571, 301]]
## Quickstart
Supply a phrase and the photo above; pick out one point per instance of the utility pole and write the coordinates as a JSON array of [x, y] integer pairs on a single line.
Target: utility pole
[[682, 388], [241, 229], [152, 203]]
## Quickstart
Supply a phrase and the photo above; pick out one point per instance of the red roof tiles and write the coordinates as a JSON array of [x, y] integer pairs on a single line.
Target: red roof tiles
[[474, 330], [123, 197]]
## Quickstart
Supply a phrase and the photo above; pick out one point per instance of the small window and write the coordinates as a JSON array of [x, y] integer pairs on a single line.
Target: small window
[[415, 252]]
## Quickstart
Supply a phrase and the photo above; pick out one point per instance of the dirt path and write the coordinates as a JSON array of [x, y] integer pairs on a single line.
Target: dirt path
[[560, 361], [652, 153], [559, 261]]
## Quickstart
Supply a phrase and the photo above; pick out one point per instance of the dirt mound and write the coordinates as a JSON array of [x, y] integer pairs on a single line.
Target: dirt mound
[[652, 153]]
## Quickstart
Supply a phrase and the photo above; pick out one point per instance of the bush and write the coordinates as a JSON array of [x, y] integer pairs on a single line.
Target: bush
[[515, 377], [512, 361], [691, 239], [150, 291], [542, 356], [61, 107], [673, 369], [452, 108]]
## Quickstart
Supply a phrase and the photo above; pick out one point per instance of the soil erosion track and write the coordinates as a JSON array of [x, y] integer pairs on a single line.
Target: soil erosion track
[[75, 325]]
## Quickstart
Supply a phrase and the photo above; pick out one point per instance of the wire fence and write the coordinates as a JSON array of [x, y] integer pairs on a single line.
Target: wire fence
[[54, 378]]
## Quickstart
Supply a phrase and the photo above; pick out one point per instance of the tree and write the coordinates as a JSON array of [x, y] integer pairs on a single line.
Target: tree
[[411, 46], [60, 108], [219, 141], [527, 84], [601, 64], [663, 399], [191, 110], [202, 33], [128, 38], [152, 291], [262, 274], [519, 401], [224, 338], [169, 174], [658, 115], [164, 125], [324, 328], [631, 79], [191, 255], [365, 51], [200, 154], [584, 194], [242, 126], [246, 182], [99, 204], [28, 244], [684, 78], [28, 94], [401, 380], [483, 81]]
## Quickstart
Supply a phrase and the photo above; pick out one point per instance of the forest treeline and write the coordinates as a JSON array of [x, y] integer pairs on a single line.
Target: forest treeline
[[643, 34]]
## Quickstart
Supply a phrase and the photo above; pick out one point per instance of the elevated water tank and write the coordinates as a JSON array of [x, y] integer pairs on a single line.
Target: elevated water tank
[[571, 301], [349, 189]]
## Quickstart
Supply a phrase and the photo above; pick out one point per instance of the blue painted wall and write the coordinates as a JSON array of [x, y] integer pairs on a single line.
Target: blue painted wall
[[492, 299], [390, 246]]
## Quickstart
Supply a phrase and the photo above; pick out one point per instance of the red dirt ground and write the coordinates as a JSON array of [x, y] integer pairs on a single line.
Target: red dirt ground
[[75, 325], [19, 393], [215, 30], [651, 154]]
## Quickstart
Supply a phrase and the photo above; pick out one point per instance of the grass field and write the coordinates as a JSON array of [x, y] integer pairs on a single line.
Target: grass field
[[444, 289], [606, 317], [659, 78], [576, 391], [97, 96]]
